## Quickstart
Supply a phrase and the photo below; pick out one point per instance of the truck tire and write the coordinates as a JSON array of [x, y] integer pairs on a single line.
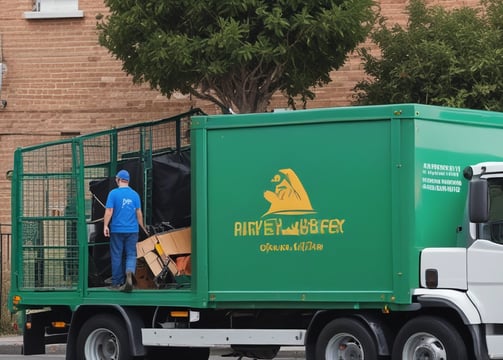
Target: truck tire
[[344, 339], [428, 337], [103, 337]]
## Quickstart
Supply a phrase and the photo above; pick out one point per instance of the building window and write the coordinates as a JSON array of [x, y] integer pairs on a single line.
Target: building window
[[50, 9]]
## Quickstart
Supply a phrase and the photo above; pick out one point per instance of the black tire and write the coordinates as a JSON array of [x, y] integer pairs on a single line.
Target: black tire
[[346, 338], [428, 337], [168, 353], [103, 337], [310, 351]]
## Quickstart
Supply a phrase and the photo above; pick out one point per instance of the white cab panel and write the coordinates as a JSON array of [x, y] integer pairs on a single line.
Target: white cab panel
[[450, 264]]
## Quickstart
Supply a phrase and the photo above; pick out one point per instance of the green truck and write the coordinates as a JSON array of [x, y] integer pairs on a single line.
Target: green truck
[[365, 232]]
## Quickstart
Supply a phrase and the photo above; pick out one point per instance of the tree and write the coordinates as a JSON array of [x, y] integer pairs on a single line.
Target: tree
[[450, 58], [235, 53]]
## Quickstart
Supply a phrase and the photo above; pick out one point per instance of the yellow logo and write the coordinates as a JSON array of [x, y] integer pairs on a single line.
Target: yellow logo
[[288, 202], [289, 196]]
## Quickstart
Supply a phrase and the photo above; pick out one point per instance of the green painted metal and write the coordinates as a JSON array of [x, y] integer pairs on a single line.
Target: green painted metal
[[51, 212], [383, 183], [324, 208]]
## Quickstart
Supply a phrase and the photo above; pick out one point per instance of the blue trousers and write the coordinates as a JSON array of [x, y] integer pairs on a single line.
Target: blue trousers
[[123, 254]]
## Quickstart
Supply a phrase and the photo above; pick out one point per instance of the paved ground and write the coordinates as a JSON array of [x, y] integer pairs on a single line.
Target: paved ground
[[13, 345]]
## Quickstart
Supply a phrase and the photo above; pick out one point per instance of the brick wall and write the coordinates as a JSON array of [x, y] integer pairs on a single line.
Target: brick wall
[[60, 80]]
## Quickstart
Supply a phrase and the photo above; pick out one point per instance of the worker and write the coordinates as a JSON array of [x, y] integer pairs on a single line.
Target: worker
[[122, 220]]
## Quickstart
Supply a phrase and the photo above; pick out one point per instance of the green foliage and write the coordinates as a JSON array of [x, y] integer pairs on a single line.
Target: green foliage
[[450, 58], [236, 53]]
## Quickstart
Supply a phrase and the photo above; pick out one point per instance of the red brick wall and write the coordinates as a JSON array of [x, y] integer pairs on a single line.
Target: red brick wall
[[60, 80], [339, 91]]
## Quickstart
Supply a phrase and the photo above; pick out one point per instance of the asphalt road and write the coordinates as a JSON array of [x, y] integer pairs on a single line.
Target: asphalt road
[[281, 356], [10, 348], [61, 357]]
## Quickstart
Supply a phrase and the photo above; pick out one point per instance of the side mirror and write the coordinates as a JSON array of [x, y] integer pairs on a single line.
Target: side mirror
[[478, 201]]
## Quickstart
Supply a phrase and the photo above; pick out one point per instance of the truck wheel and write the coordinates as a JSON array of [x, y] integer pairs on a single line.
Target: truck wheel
[[103, 337], [344, 339], [428, 337]]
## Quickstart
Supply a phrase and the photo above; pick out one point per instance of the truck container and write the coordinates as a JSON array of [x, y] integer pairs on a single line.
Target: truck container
[[366, 232]]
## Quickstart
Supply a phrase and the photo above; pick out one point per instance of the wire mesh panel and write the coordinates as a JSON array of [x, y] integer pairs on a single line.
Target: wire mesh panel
[[96, 158], [169, 136], [96, 150], [48, 261], [54, 226], [50, 159], [48, 218]]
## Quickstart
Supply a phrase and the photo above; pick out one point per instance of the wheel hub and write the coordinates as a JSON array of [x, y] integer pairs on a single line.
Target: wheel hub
[[344, 347], [350, 351], [424, 346], [101, 345], [109, 349]]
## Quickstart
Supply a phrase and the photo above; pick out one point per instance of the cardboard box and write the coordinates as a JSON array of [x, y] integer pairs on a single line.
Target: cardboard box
[[144, 277], [145, 246], [158, 250], [174, 242], [154, 262], [184, 265]]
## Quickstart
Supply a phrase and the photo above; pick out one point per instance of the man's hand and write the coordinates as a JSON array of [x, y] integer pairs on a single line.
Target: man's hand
[[145, 230], [106, 221]]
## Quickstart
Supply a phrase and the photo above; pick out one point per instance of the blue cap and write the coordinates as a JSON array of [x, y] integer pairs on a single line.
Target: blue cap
[[123, 175]]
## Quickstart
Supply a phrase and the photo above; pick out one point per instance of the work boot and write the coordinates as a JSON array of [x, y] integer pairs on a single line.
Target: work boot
[[128, 286]]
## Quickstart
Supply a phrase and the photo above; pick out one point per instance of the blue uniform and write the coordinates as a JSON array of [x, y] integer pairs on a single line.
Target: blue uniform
[[124, 201], [124, 230]]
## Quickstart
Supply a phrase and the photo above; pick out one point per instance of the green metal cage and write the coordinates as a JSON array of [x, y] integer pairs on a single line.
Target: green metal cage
[[50, 194]]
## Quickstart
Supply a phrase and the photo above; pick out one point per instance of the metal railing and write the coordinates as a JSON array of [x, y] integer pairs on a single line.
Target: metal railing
[[5, 258]]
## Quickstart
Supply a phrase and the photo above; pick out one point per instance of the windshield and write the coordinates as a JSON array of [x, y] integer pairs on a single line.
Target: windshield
[[493, 229]]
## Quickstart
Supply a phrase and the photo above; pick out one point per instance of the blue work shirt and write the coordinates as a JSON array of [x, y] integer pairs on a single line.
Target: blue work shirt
[[124, 201]]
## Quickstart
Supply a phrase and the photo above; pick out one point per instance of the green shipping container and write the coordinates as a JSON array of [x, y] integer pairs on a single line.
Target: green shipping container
[[331, 205]]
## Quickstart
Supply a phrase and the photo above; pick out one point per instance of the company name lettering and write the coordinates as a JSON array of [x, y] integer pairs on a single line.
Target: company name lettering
[[275, 227]]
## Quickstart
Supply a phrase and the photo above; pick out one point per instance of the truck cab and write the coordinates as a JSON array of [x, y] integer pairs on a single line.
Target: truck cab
[[470, 279]]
